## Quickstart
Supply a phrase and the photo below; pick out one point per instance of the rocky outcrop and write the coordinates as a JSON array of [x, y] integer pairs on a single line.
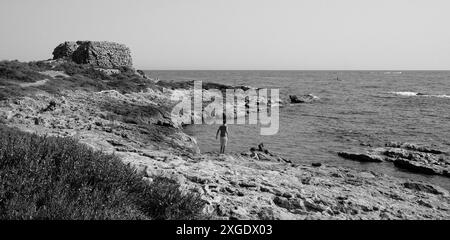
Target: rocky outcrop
[[414, 147], [407, 156], [107, 55], [97, 116], [263, 154], [361, 157], [419, 159], [309, 98], [415, 166]]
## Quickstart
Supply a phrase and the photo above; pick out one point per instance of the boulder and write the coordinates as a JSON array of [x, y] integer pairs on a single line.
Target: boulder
[[109, 55]]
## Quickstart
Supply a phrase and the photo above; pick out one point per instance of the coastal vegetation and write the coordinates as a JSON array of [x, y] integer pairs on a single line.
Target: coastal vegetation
[[78, 77], [43, 177]]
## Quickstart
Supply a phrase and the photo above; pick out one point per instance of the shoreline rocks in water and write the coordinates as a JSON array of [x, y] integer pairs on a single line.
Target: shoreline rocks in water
[[263, 154], [360, 157], [309, 98], [407, 156]]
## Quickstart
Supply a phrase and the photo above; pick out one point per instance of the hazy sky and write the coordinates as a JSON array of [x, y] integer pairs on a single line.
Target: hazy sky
[[239, 34]]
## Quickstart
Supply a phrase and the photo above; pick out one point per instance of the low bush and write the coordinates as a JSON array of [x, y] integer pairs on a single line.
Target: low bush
[[15, 70], [8, 90], [75, 82], [85, 76], [85, 70], [82, 77], [45, 177], [164, 200]]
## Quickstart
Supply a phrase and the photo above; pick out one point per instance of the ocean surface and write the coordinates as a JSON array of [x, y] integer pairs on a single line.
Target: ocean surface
[[355, 108]]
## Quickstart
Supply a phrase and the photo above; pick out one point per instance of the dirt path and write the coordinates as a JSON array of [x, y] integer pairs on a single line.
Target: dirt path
[[34, 84]]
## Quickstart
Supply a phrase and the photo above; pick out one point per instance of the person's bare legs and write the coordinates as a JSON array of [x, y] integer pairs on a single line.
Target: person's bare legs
[[223, 144]]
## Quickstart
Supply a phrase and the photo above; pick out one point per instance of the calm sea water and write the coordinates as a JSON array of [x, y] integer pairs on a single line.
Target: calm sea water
[[362, 107]]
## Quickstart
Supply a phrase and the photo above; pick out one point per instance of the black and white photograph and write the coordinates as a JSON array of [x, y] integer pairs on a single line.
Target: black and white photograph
[[210, 111]]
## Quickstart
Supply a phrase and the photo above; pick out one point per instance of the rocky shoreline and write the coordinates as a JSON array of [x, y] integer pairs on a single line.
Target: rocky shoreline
[[406, 156], [136, 126]]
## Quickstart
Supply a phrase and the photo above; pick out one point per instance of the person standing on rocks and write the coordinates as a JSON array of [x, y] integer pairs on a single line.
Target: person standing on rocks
[[223, 129]]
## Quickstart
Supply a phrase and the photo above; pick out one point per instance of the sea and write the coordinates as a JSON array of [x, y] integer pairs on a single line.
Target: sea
[[354, 109]]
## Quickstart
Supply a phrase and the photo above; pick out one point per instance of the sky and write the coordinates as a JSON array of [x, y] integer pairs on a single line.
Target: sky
[[239, 34]]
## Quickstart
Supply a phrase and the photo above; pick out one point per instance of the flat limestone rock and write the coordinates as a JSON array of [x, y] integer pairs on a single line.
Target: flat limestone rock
[[361, 157]]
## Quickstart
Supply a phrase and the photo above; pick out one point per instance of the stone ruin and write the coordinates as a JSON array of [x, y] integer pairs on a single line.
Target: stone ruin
[[109, 55]]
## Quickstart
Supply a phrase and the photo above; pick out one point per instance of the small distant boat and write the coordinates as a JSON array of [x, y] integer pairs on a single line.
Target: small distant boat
[[392, 72]]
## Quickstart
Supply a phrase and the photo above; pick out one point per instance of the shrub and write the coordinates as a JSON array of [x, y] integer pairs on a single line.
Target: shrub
[[82, 77], [12, 72], [125, 82], [40, 65], [15, 70], [168, 202], [125, 73], [45, 177], [8, 90], [85, 70]]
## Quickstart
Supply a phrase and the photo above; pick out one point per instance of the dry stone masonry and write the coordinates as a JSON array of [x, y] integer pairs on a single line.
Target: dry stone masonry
[[100, 54]]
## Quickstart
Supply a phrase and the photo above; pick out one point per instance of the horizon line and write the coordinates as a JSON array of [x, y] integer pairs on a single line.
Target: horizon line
[[313, 70]]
